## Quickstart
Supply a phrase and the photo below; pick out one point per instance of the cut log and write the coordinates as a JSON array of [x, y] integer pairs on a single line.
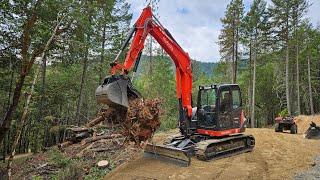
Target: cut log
[[78, 129], [103, 163], [95, 121]]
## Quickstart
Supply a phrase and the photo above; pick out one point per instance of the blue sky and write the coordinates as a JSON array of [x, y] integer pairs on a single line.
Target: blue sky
[[195, 24]]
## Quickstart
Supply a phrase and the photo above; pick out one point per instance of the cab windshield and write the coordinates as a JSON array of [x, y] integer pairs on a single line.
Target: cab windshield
[[208, 97]]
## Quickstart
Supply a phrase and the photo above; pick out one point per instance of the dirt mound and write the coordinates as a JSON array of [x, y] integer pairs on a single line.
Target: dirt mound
[[275, 156], [304, 122]]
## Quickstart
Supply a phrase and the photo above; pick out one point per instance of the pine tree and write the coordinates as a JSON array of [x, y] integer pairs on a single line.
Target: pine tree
[[285, 14], [229, 37], [253, 27]]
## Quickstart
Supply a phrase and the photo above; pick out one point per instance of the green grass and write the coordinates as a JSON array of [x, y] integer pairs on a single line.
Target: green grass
[[168, 123], [58, 159], [75, 168]]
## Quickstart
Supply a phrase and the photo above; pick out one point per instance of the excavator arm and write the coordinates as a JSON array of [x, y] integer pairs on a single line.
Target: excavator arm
[[144, 26], [148, 24]]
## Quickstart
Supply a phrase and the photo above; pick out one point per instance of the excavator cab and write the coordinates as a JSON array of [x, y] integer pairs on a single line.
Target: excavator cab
[[219, 107], [207, 107]]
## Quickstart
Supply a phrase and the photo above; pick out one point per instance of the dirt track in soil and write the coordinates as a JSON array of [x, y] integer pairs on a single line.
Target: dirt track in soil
[[275, 156]]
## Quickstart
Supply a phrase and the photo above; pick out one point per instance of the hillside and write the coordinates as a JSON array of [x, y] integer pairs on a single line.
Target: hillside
[[203, 67]]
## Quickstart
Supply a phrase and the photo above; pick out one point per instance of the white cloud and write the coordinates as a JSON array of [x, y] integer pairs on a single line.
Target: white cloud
[[195, 24]]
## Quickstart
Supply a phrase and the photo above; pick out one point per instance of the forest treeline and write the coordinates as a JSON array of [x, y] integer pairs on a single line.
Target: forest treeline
[[54, 54], [280, 48]]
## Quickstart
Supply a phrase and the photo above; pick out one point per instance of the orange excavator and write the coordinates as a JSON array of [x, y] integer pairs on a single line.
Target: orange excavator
[[213, 129]]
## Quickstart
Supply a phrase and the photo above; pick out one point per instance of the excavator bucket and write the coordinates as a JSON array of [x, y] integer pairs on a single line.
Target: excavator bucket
[[313, 132], [169, 153], [116, 91]]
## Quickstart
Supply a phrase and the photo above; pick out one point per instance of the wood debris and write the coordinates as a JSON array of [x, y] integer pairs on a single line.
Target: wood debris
[[115, 134]]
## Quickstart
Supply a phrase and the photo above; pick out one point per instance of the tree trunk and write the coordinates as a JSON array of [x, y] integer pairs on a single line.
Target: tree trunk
[[16, 96], [236, 58], [287, 80], [103, 41], [233, 50], [8, 105], [83, 77], [21, 123], [309, 85], [4, 150], [253, 120], [10, 86], [43, 86], [250, 79], [298, 79]]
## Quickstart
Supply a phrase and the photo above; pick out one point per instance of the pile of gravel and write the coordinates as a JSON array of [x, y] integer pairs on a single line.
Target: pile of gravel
[[311, 174]]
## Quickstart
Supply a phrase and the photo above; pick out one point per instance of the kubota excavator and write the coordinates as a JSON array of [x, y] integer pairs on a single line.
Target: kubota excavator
[[212, 129]]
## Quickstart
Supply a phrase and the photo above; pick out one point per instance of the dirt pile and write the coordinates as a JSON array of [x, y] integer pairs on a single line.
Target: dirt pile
[[275, 156]]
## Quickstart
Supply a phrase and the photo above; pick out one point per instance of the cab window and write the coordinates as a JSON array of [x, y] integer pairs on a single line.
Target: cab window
[[225, 101], [235, 99], [208, 97]]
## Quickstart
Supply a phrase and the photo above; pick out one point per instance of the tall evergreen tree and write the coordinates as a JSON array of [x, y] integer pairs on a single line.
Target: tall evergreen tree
[[229, 37], [285, 14], [253, 27]]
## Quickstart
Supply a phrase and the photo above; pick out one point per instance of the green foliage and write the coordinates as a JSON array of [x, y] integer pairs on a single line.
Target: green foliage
[[73, 170], [37, 178], [284, 113], [229, 35], [58, 159], [96, 173], [160, 83]]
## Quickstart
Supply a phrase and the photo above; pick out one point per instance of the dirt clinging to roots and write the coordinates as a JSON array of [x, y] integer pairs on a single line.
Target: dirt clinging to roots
[[142, 120]]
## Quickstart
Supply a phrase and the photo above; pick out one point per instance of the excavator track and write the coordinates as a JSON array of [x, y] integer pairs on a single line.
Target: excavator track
[[211, 149]]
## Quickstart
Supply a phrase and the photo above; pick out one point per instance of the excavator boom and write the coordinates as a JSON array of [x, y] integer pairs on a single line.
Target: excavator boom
[[145, 25]]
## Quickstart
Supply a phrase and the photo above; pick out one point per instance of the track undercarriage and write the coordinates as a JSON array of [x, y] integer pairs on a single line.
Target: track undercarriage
[[206, 148]]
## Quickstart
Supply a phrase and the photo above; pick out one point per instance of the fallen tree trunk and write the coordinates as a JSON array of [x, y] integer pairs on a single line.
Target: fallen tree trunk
[[95, 121]]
